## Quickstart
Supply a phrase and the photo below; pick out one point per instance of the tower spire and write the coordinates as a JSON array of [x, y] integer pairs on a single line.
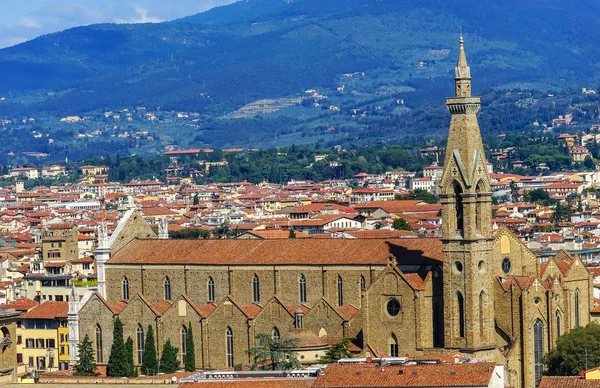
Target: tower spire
[[462, 71], [465, 193]]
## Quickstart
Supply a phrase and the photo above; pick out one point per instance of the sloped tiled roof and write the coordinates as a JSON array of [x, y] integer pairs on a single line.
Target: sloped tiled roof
[[279, 252], [423, 376], [567, 382], [48, 310]]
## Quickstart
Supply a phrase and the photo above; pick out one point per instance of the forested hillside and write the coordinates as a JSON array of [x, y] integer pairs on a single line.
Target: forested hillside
[[371, 66]]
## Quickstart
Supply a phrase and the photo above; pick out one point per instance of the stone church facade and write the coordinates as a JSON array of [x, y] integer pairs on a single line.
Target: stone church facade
[[475, 292]]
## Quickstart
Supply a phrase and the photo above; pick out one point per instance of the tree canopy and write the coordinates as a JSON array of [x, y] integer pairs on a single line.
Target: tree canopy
[[274, 354], [338, 350], [86, 364], [568, 358], [118, 366]]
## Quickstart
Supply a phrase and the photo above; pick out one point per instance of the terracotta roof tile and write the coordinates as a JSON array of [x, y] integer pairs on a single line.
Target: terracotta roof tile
[[567, 382], [279, 252], [205, 309], [48, 310], [21, 304], [251, 310], [435, 375], [347, 312], [161, 307], [298, 383]]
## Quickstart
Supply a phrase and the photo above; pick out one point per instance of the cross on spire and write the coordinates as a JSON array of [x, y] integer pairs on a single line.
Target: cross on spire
[[536, 284]]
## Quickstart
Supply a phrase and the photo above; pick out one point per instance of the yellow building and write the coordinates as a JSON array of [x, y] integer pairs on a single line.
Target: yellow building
[[43, 337], [93, 170]]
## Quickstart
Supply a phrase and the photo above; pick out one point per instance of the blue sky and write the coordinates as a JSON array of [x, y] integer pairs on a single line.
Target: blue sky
[[22, 20]]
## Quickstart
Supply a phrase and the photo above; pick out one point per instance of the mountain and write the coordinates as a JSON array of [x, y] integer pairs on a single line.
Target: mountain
[[218, 61]]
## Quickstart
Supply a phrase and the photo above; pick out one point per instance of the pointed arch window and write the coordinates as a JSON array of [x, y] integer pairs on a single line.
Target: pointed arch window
[[183, 343], [211, 289], [125, 288], [558, 318], [363, 283], [340, 287], [229, 345], [140, 344], [458, 206], [538, 350], [461, 314], [393, 346], [302, 288], [276, 334], [256, 289], [482, 314], [99, 353], [478, 208], [577, 307], [167, 288]]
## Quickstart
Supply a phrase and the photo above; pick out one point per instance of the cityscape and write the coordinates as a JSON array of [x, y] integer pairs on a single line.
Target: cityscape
[[429, 223]]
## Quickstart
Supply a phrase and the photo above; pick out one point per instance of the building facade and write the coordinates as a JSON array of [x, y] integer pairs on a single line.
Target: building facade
[[473, 292]]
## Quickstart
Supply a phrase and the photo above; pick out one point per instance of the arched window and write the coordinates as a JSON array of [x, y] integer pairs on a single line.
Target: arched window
[[229, 340], [340, 291], [167, 288], [211, 289], [393, 346], [256, 289], [302, 288], [99, 353], [125, 288], [482, 314], [140, 344], [459, 206], [183, 343], [276, 335], [461, 314], [557, 323], [363, 283], [478, 207], [577, 307], [538, 350]]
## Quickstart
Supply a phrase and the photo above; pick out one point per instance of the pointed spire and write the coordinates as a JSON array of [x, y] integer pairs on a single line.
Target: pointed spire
[[462, 70]]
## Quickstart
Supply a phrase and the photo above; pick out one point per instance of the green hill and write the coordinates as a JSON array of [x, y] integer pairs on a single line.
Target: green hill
[[216, 62]]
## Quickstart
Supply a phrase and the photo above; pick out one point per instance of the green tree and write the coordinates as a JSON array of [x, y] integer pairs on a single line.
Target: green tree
[[588, 163], [168, 358], [131, 362], [117, 360], [568, 358], [149, 360], [418, 194], [338, 350], [561, 213], [537, 195], [401, 224], [86, 364], [190, 354], [292, 233], [196, 199], [273, 354]]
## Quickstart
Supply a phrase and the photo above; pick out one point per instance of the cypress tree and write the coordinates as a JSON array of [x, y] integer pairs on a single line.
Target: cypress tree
[[190, 355], [130, 360], [168, 358], [117, 360], [86, 366], [149, 360]]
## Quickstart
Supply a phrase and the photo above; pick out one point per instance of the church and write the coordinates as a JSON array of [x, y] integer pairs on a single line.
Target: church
[[475, 292]]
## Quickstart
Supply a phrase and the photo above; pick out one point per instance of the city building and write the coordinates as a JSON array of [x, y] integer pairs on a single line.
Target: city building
[[473, 292]]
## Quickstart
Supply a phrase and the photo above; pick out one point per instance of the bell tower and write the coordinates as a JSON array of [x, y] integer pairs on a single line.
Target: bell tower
[[466, 199]]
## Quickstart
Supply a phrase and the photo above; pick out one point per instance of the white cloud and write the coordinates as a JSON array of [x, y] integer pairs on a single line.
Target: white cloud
[[141, 16], [29, 23]]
